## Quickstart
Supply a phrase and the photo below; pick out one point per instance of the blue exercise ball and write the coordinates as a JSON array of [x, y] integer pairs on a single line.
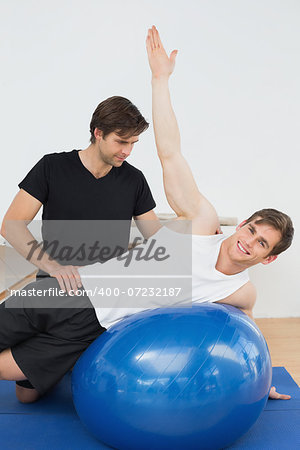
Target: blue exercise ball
[[174, 378]]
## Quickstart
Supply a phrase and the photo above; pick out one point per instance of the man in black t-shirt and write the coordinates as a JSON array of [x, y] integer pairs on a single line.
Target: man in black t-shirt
[[82, 186], [85, 185]]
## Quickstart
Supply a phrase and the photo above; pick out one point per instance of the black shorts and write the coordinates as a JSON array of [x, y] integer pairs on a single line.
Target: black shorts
[[47, 333]]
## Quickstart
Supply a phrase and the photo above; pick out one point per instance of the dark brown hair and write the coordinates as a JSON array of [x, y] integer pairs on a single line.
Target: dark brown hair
[[279, 221], [119, 115]]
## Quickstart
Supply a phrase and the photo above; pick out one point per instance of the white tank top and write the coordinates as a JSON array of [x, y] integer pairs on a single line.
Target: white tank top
[[207, 283], [210, 285]]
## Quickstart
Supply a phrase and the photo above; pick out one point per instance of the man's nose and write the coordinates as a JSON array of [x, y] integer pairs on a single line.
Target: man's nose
[[250, 242], [126, 150]]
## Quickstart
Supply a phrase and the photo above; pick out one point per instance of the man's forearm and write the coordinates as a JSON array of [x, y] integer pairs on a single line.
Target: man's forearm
[[167, 136], [18, 235]]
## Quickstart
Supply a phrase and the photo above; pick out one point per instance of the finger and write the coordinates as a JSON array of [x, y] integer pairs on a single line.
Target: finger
[[77, 277], [60, 282], [276, 396], [284, 397], [73, 282], [67, 283], [273, 393], [173, 56], [148, 45], [151, 39], [158, 39]]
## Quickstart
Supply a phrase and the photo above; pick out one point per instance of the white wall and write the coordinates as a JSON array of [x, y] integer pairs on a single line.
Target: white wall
[[235, 91]]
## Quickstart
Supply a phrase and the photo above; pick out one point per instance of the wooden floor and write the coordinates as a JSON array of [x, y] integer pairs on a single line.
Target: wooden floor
[[283, 339]]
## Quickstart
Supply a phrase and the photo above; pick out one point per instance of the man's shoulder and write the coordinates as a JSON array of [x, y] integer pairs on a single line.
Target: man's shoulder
[[129, 171], [59, 156], [52, 161], [130, 168]]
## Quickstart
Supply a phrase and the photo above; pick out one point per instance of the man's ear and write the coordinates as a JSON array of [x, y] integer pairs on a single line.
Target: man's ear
[[240, 225], [269, 259], [98, 133]]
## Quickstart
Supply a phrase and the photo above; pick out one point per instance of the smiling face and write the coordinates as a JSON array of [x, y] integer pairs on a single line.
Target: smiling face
[[114, 149], [252, 243]]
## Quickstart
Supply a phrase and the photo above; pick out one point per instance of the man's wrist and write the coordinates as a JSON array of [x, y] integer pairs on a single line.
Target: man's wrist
[[49, 266], [160, 79]]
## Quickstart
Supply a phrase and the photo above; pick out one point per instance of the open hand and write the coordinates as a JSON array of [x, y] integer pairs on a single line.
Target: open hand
[[160, 63], [276, 396], [68, 278]]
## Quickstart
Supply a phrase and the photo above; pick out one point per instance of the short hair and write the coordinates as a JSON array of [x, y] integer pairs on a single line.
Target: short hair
[[279, 221], [119, 115]]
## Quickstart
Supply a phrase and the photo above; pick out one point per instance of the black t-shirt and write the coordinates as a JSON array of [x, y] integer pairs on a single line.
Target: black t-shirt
[[70, 192]]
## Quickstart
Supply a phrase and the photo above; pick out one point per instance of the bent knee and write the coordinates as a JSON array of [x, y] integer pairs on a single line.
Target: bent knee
[[25, 395]]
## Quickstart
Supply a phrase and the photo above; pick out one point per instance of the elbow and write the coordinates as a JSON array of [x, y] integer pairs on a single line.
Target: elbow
[[2, 230], [6, 228], [167, 151], [249, 313]]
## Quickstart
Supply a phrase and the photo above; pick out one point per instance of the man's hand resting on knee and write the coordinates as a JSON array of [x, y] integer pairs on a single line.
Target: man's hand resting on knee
[[67, 276]]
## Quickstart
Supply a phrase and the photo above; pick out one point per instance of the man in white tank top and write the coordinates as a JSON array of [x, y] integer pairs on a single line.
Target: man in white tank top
[[219, 264], [257, 240]]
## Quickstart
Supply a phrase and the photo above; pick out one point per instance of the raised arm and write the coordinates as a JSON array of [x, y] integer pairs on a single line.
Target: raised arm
[[180, 187]]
